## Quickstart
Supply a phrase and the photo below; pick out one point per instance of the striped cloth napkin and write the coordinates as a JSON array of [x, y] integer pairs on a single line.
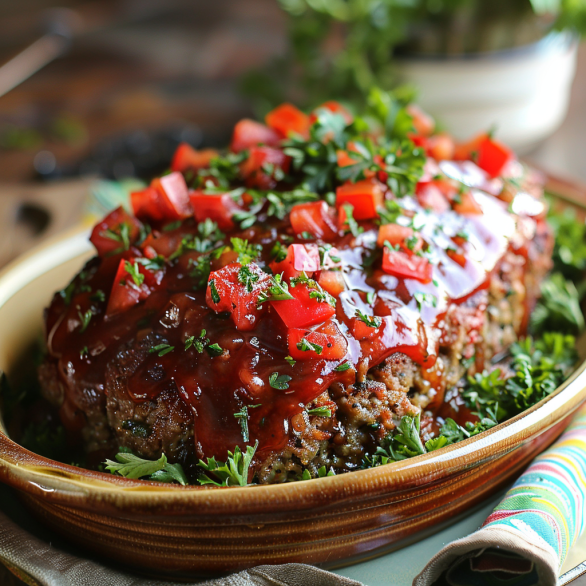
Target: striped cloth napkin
[[525, 540]]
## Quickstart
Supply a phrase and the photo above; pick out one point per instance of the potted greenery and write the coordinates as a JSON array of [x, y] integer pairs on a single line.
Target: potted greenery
[[476, 63]]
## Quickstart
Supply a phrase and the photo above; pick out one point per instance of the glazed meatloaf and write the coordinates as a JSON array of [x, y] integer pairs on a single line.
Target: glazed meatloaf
[[300, 293]]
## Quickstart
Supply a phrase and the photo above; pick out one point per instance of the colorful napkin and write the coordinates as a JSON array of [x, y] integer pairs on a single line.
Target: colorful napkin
[[525, 540]]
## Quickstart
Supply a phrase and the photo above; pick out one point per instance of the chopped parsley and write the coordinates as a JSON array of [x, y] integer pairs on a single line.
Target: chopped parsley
[[134, 272], [233, 472], [342, 367], [214, 292], [306, 346], [279, 382], [320, 411], [372, 321], [242, 417], [161, 349], [352, 224], [85, 319], [247, 278]]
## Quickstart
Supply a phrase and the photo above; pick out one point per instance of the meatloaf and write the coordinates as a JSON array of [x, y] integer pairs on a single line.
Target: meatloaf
[[242, 303]]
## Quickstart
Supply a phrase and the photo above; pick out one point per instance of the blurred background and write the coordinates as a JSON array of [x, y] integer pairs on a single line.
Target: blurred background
[[108, 88]]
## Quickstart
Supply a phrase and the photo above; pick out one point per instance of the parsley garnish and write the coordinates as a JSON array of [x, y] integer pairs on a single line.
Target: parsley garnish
[[371, 321], [85, 319], [242, 417], [98, 295], [246, 252], [277, 291], [352, 224], [214, 292], [120, 234], [214, 350], [342, 367], [305, 346], [161, 349], [279, 382], [234, 472], [290, 360], [425, 299], [134, 272], [320, 411], [131, 466], [247, 278]]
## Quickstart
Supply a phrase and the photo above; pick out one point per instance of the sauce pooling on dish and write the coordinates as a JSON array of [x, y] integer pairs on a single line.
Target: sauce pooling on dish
[[261, 319]]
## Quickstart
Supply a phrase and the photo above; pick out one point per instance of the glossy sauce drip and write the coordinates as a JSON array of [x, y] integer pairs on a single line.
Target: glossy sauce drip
[[217, 387]]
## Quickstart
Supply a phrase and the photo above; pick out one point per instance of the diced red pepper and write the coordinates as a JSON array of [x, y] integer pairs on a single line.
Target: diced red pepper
[[234, 289], [219, 207], [316, 218], [249, 133], [286, 119], [254, 168], [302, 311], [334, 107], [468, 151], [332, 282], [364, 196], [423, 123], [493, 156], [300, 258], [186, 158], [407, 265], [174, 200], [125, 292], [431, 197], [328, 337], [466, 205], [441, 147], [457, 256], [115, 233], [361, 330], [397, 235], [146, 205]]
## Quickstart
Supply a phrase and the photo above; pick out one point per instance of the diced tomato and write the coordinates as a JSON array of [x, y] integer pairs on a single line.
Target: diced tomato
[[286, 119], [441, 147], [249, 133], [146, 205], [302, 311], [395, 235], [468, 151], [125, 292], [431, 197], [360, 330], [300, 258], [345, 159], [253, 169], [219, 207], [406, 265], [457, 256], [186, 158], [316, 218], [466, 205], [174, 201], [328, 337], [332, 282], [493, 156], [334, 107], [115, 233], [230, 290], [364, 196], [423, 123]]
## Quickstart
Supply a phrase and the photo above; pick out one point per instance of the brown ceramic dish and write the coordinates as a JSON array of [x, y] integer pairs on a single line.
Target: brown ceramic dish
[[186, 531]]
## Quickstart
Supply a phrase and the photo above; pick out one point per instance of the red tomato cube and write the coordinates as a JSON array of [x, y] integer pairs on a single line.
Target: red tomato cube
[[255, 172], [431, 197], [316, 218], [219, 207], [126, 291], [331, 344], [364, 196], [236, 289], [286, 119], [300, 258], [302, 311], [332, 282], [147, 205], [361, 330], [115, 233], [423, 123], [407, 265], [186, 158], [249, 133], [397, 235], [174, 200], [493, 156]]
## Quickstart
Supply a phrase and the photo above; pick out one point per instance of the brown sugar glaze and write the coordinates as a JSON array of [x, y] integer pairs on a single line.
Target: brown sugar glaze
[[217, 387]]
